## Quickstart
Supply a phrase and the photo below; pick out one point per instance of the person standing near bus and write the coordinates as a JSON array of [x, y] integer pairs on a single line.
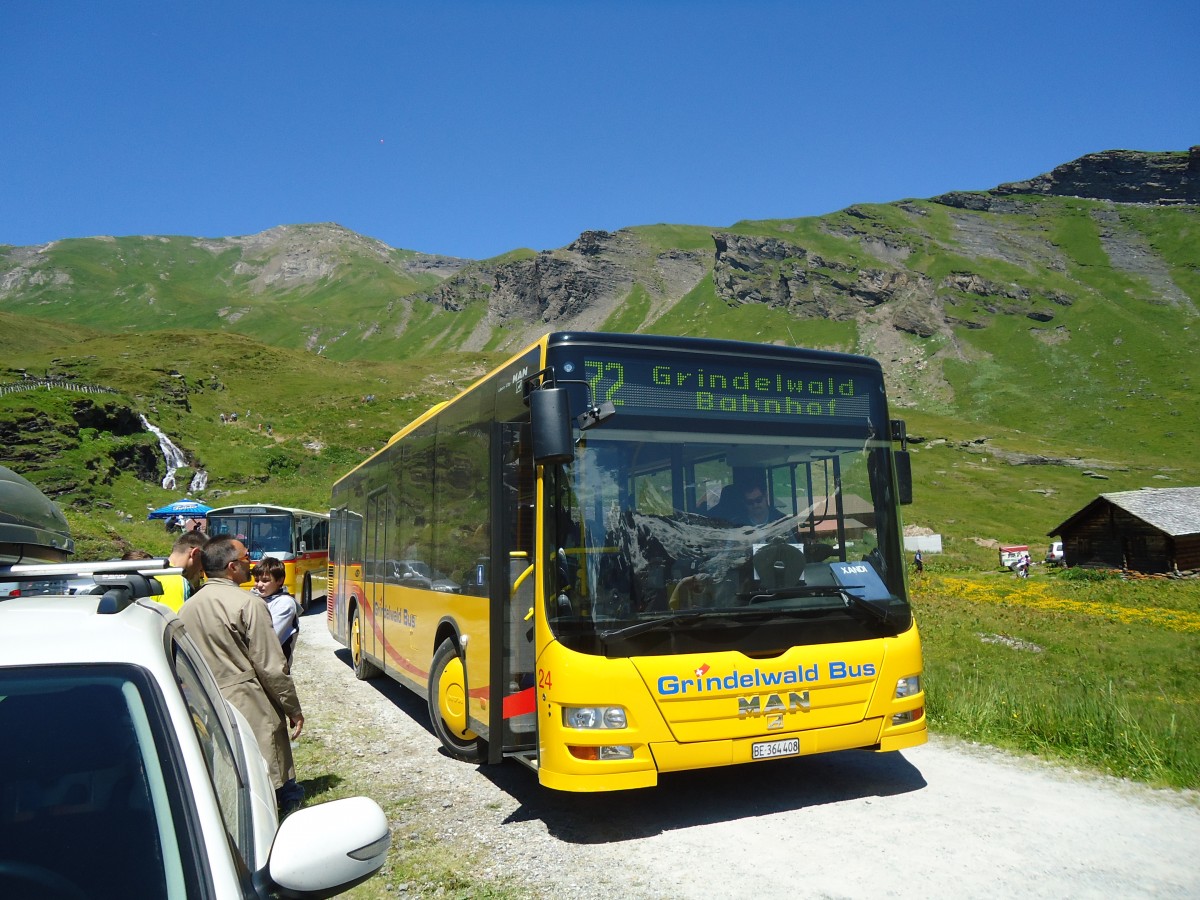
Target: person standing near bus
[[269, 577], [232, 628], [185, 555]]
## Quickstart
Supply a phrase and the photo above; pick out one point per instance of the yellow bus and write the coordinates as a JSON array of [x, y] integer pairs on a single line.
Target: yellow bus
[[296, 537], [617, 556]]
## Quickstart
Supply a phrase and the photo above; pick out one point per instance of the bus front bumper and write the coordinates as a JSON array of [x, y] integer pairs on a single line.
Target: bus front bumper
[[649, 761]]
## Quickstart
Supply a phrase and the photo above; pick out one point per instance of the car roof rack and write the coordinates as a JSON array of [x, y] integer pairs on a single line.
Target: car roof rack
[[120, 590], [145, 566], [121, 581]]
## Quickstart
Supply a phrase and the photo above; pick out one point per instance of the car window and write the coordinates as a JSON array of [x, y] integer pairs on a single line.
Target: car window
[[88, 794], [219, 754]]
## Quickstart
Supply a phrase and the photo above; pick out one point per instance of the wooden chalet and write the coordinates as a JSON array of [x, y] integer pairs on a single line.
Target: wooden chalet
[[1151, 530]]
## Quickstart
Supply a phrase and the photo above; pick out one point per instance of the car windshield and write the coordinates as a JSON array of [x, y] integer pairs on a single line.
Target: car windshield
[[665, 534], [85, 802]]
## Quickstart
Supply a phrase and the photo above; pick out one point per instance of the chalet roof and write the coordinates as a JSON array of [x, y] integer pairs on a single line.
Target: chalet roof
[[1173, 511]]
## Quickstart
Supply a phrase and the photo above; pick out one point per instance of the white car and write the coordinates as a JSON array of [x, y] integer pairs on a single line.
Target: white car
[[123, 772]]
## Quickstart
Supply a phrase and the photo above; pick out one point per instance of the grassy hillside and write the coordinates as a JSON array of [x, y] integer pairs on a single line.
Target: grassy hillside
[[286, 291], [321, 423]]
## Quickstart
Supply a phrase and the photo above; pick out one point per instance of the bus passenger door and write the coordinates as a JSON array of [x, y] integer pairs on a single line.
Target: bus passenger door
[[378, 517], [514, 590], [339, 585]]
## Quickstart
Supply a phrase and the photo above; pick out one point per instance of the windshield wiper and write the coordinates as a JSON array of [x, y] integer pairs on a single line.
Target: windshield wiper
[[863, 603], [680, 618], [844, 592], [734, 616]]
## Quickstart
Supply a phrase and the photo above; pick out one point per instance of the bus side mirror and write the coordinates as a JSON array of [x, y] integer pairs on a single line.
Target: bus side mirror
[[553, 441], [903, 477]]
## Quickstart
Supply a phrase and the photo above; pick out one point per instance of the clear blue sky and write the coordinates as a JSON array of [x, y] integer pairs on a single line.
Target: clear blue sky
[[471, 129]]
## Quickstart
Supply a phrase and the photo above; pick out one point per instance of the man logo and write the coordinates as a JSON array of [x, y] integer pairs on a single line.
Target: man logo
[[772, 705]]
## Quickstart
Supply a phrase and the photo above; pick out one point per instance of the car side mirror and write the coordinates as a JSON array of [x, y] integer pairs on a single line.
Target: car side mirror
[[326, 849]]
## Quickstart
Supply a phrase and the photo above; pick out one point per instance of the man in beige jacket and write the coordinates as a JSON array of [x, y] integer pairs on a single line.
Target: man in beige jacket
[[232, 628]]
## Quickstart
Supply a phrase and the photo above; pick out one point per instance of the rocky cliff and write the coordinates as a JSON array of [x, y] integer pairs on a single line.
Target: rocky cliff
[[575, 287], [867, 275], [1120, 176]]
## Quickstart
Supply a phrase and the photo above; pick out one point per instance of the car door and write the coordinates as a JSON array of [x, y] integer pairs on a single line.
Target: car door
[[237, 774]]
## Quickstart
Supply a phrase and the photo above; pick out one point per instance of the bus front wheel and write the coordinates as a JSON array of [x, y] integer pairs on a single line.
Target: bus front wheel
[[448, 704], [306, 594], [363, 667]]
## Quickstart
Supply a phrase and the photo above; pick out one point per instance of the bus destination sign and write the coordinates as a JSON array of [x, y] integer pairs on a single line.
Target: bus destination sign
[[734, 391]]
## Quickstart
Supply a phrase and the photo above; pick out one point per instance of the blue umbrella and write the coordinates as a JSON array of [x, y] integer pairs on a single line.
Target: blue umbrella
[[187, 508]]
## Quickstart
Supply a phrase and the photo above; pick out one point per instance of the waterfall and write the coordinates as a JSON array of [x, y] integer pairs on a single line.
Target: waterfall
[[199, 482], [173, 455]]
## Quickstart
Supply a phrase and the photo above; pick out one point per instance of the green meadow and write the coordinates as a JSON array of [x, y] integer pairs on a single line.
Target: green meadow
[[1086, 668]]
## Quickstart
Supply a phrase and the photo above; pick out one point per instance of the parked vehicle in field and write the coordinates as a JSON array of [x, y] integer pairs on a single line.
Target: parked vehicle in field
[[1055, 555], [124, 773], [1012, 555]]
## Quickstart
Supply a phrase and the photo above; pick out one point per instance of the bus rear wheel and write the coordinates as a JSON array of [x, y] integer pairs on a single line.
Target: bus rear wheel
[[364, 669], [448, 704]]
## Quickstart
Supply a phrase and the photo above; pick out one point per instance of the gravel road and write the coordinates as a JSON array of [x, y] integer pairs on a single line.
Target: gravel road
[[943, 820]]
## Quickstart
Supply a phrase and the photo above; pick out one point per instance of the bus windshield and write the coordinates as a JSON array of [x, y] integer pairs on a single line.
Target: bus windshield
[[263, 534], [662, 533]]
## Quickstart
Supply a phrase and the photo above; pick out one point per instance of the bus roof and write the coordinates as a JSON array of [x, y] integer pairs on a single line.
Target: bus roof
[[617, 339], [707, 345], [262, 509]]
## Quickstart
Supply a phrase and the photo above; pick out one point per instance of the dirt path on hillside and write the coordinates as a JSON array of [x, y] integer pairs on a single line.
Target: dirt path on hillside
[[942, 820]]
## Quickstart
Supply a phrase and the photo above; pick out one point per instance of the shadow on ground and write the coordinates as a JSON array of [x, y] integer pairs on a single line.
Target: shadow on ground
[[405, 700], [705, 796], [321, 784]]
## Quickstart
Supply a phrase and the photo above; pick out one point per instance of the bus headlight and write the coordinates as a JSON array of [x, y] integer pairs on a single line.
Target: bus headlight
[[907, 687], [597, 754], [591, 717]]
